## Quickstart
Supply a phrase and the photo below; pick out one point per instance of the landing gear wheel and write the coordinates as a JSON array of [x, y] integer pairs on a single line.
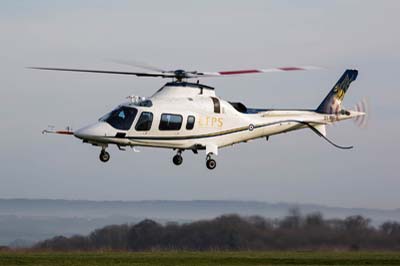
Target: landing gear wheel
[[178, 159], [104, 156], [211, 164]]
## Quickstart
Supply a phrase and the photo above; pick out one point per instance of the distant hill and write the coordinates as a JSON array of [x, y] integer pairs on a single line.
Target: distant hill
[[25, 221]]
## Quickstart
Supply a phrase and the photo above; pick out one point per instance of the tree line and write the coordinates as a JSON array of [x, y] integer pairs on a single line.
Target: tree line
[[234, 232]]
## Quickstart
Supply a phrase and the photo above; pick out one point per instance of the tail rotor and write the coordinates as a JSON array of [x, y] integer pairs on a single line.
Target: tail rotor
[[362, 120]]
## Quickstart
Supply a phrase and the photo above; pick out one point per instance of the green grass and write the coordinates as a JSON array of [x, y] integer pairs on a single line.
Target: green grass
[[198, 258]]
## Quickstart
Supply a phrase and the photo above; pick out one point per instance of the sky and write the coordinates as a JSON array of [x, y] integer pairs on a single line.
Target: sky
[[297, 167]]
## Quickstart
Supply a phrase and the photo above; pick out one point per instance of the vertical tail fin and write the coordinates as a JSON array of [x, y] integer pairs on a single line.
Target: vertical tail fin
[[332, 102]]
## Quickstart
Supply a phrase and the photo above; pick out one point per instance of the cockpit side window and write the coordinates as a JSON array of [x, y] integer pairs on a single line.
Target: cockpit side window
[[144, 122], [120, 118]]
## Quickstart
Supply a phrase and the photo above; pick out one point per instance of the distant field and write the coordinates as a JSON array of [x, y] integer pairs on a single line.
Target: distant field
[[198, 258]]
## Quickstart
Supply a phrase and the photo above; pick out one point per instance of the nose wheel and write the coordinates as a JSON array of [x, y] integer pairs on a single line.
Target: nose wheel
[[104, 156], [178, 159], [210, 163]]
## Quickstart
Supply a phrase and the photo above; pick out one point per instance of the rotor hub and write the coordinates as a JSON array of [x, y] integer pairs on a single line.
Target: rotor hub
[[180, 74]]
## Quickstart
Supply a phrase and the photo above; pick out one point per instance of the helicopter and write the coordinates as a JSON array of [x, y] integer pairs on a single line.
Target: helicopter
[[184, 115]]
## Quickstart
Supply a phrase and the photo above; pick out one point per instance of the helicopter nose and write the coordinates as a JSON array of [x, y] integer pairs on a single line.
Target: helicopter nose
[[92, 131]]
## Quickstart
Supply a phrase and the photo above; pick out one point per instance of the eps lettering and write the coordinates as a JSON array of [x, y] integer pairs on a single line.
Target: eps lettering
[[211, 121]]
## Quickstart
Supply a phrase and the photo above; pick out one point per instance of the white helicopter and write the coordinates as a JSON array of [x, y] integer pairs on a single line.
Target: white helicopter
[[183, 115]]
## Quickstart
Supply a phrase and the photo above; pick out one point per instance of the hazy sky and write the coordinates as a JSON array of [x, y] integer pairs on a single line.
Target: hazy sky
[[207, 36]]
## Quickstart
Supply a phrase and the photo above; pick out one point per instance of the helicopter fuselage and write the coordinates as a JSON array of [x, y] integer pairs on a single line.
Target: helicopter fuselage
[[189, 116]]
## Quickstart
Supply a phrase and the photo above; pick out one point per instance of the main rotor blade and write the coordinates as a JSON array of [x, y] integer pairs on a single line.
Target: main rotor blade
[[138, 74], [255, 71], [138, 64], [181, 74]]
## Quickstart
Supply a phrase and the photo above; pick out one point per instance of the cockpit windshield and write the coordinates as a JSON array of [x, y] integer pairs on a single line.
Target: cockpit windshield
[[120, 118]]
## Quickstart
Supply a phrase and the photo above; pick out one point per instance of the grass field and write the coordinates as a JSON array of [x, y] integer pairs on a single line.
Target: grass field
[[199, 258]]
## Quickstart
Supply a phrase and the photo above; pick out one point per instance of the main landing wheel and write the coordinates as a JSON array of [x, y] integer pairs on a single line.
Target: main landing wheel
[[211, 164], [178, 159], [104, 156]]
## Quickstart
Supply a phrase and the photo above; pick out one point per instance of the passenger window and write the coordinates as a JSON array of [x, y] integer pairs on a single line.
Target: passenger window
[[190, 122], [217, 105], [144, 122], [170, 122]]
